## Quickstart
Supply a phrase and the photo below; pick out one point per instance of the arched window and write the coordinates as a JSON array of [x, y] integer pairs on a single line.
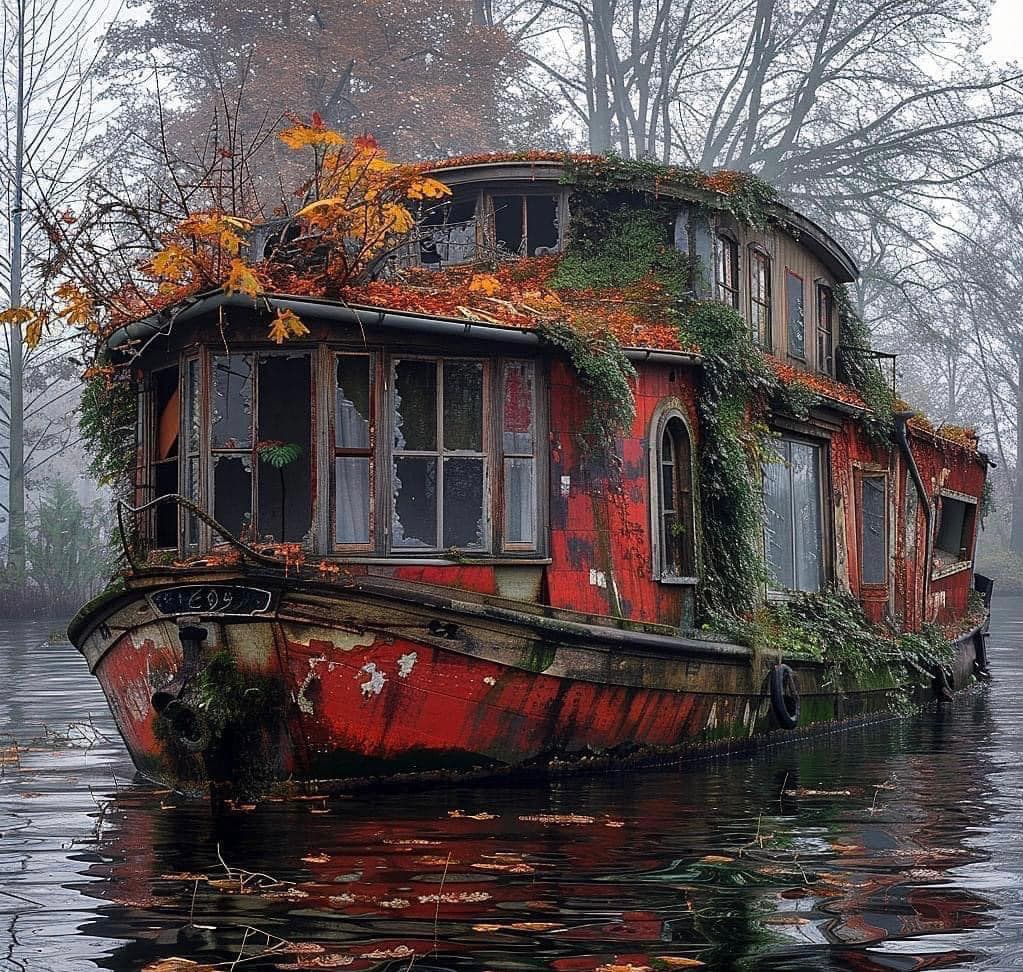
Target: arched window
[[674, 507]]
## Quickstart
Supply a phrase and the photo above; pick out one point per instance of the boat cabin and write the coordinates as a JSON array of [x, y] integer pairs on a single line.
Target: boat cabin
[[426, 429]]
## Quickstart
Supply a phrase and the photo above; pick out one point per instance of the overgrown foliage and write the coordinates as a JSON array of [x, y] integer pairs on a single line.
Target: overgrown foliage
[[107, 420], [859, 368], [735, 385], [831, 627], [605, 373], [749, 199]]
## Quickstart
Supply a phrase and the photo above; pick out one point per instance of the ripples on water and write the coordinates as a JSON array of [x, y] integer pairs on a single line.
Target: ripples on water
[[895, 847]]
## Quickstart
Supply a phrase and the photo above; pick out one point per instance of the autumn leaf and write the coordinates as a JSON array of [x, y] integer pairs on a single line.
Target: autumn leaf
[[425, 188], [677, 962], [242, 280], [300, 135], [78, 307], [171, 263], [285, 325], [34, 330], [175, 964], [484, 283]]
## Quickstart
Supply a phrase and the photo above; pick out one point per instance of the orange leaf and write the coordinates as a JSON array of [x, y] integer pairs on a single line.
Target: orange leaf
[[242, 280], [285, 325]]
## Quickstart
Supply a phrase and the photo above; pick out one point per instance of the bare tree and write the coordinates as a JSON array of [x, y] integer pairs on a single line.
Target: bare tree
[[48, 115]]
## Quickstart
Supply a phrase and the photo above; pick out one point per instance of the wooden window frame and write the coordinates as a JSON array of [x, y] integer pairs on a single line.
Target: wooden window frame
[[861, 474], [340, 452], [825, 325], [789, 272], [823, 446], [674, 410], [487, 454], [209, 453], [757, 256], [727, 293], [486, 207], [498, 502]]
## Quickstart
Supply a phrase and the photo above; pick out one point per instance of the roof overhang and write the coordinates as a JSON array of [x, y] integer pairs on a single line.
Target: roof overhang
[[139, 334]]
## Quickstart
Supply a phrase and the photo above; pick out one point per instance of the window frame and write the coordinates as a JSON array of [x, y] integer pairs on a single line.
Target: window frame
[[861, 475], [757, 256], [801, 355], [208, 453], [498, 501], [150, 438], [727, 293], [968, 531], [825, 295], [668, 412], [336, 452], [823, 447], [486, 215]]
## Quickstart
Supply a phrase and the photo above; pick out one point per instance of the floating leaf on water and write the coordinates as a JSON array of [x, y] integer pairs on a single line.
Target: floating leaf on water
[[677, 962], [487, 928], [175, 964], [535, 925], [786, 920], [557, 818], [342, 899], [398, 952], [716, 859], [623, 968], [519, 868], [183, 876], [803, 792], [316, 858], [395, 903], [462, 815], [614, 823]]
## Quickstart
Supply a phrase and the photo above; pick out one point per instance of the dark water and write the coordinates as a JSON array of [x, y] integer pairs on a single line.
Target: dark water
[[897, 847]]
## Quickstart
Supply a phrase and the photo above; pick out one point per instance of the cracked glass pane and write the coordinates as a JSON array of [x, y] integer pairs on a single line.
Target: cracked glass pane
[[232, 401], [415, 502], [232, 493], [351, 403], [415, 405]]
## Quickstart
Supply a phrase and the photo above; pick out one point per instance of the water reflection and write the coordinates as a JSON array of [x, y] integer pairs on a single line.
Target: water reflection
[[889, 848]]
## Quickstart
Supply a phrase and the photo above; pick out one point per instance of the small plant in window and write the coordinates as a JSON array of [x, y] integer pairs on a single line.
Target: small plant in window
[[280, 455]]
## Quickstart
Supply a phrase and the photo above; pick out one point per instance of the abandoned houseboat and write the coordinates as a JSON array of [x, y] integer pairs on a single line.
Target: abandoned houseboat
[[578, 473]]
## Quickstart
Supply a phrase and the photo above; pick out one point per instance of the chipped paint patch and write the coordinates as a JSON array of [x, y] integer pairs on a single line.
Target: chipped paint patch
[[598, 578], [490, 680], [339, 640], [406, 663], [566, 486], [376, 681], [712, 718]]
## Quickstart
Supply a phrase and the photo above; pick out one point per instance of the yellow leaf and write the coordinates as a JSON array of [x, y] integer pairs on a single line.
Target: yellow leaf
[[285, 325], [78, 307], [484, 283], [242, 280], [16, 315], [34, 330], [171, 263], [301, 135], [425, 188]]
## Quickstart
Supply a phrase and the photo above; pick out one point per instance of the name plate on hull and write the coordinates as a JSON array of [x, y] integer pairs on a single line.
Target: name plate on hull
[[212, 599]]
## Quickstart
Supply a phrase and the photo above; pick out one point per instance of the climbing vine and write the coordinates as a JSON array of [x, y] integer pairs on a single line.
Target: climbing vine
[[106, 418], [859, 368], [749, 199], [605, 373]]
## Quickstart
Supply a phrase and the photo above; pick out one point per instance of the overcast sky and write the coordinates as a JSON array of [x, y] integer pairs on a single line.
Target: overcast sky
[[1006, 30]]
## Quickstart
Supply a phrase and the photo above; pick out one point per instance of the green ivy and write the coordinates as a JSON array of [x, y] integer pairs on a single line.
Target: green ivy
[[106, 417], [831, 627], [748, 198], [605, 373], [735, 383], [858, 367]]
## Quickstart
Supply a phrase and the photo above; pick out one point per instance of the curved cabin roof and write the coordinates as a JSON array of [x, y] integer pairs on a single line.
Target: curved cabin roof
[[512, 167], [418, 297]]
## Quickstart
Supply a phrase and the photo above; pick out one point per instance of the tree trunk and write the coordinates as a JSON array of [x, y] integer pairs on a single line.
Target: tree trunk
[[600, 117], [1016, 537], [16, 498]]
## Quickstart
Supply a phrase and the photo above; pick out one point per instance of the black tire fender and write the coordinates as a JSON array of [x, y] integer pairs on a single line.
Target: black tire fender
[[784, 696]]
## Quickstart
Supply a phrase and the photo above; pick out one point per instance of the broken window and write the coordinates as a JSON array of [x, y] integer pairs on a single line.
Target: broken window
[[760, 297], [353, 458], [526, 225], [447, 233], [284, 488], [794, 527], [261, 444], [873, 530], [193, 441], [676, 511], [167, 425], [231, 441], [728, 271], [825, 329], [438, 456], [794, 316], [955, 530], [519, 434]]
